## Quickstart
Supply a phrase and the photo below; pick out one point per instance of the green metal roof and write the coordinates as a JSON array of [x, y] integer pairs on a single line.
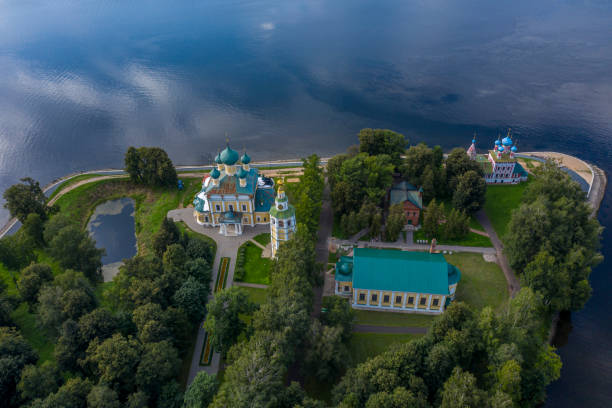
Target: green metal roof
[[405, 191], [518, 169], [384, 269], [344, 269], [281, 215]]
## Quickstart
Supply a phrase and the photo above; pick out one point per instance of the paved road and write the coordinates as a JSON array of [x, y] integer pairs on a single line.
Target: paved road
[[513, 283], [325, 228], [413, 247], [226, 247], [366, 328]]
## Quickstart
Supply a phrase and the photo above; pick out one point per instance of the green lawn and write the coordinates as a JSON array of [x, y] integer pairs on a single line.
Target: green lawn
[[482, 283], [256, 295], [448, 206], [501, 200], [35, 336], [263, 239], [192, 186], [472, 239], [375, 318], [367, 345], [257, 269]]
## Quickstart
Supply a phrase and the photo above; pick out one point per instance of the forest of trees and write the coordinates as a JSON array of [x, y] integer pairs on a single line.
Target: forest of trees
[[150, 166]]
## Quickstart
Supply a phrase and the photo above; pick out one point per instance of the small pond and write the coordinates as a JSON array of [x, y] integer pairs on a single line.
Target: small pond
[[112, 227]]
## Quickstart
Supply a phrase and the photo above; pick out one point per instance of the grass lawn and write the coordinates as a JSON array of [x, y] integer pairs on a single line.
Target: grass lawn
[[501, 200], [257, 269], [367, 345], [256, 295], [263, 239], [374, 318], [448, 206], [72, 181], [192, 186], [35, 336], [482, 283], [472, 239]]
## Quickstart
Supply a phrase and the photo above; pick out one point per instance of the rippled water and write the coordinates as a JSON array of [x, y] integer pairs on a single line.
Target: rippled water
[[83, 80]]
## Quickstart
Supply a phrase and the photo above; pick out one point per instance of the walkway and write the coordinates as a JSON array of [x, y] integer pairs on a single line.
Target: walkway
[[513, 282], [412, 247], [226, 247], [323, 234], [366, 328]]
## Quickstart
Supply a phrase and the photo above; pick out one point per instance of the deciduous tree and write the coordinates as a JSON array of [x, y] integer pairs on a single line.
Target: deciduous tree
[[25, 198]]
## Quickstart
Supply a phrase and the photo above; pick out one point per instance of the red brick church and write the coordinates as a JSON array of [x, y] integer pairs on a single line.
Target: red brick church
[[411, 199]]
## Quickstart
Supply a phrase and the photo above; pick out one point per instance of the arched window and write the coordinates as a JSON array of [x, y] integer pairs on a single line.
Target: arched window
[[281, 223]]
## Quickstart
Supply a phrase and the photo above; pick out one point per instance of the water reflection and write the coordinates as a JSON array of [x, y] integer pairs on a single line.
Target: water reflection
[[112, 227]]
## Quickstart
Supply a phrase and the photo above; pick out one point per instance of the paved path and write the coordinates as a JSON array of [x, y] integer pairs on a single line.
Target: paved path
[[323, 234], [251, 285], [226, 247], [366, 328], [513, 282], [413, 247], [257, 244]]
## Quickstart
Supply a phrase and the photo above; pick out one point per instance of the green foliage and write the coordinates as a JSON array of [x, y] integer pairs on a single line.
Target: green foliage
[[15, 354], [470, 193], [73, 394], [461, 391], [167, 235], [382, 141], [192, 297], [150, 166], [15, 253], [553, 241], [307, 195], [457, 164], [326, 354], [75, 249], [201, 391], [39, 381], [158, 365], [432, 218], [396, 220], [223, 317], [338, 313], [33, 229], [25, 198], [102, 396], [31, 281], [423, 167], [457, 225]]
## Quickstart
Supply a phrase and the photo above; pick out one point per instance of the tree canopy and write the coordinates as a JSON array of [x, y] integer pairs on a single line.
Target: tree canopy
[[150, 166], [25, 198]]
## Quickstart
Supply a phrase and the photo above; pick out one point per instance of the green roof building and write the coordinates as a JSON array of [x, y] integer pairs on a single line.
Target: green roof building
[[397, 280]]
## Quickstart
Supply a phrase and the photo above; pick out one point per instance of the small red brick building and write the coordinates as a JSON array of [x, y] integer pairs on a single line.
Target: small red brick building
[[411, 199]]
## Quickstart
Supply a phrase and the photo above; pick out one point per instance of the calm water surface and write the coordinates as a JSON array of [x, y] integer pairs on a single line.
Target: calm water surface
[[82, 80]]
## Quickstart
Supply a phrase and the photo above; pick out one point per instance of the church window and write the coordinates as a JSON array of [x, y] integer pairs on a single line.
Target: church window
[[231, 208], [258, 219], [436, 302], [423, 301], [398, 300], [411, 300], [217, 207], [244, 207], [386, 299], [362, 297], [206, 219], [288, 223], [346, 288], [374, 298]]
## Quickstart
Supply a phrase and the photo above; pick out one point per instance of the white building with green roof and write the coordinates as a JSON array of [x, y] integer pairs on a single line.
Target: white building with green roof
[[282, 220], [394, 280]]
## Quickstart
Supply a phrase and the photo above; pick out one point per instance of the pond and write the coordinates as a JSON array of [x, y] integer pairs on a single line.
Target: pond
[[112, 227]]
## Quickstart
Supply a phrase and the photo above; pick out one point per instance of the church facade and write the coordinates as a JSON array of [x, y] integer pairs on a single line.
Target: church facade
[[234, 196]]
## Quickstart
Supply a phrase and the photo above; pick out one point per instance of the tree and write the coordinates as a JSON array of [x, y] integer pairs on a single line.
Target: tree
[[395, 222], [14, 252], [461, 391], [201, 391], [170, 395], [192, 297], [382, 141], [376, 225], [39, 381], [458, 163], [99, 323], [25, 198], [115, 361], [223, 321], [431, 220], [469, 196], [399, 398], [31, 281], [102, 396], [200, 270], [158, 365], [150, 322], [326, 355], [33, 228], [199, 249], [309, 193], [338, 312], [457, 225], [167, 235], [75, 249], [175, 257], [137, 400], [150, 166], [15, 354], [73, 394], [70, 347]]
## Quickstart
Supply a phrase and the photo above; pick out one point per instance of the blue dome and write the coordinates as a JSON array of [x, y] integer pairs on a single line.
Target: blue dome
[[346, 268], [506, 141], [501, 149], [497, 142], [215, 174], [245, 159], [514, 149], [218, 159], [229, 156], [242, 173], [473, 140]]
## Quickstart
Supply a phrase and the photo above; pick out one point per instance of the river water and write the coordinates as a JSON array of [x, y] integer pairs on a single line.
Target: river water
[[83, 80]]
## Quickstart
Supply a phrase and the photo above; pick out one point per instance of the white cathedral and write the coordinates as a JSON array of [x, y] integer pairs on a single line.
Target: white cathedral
[[234, 195]]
